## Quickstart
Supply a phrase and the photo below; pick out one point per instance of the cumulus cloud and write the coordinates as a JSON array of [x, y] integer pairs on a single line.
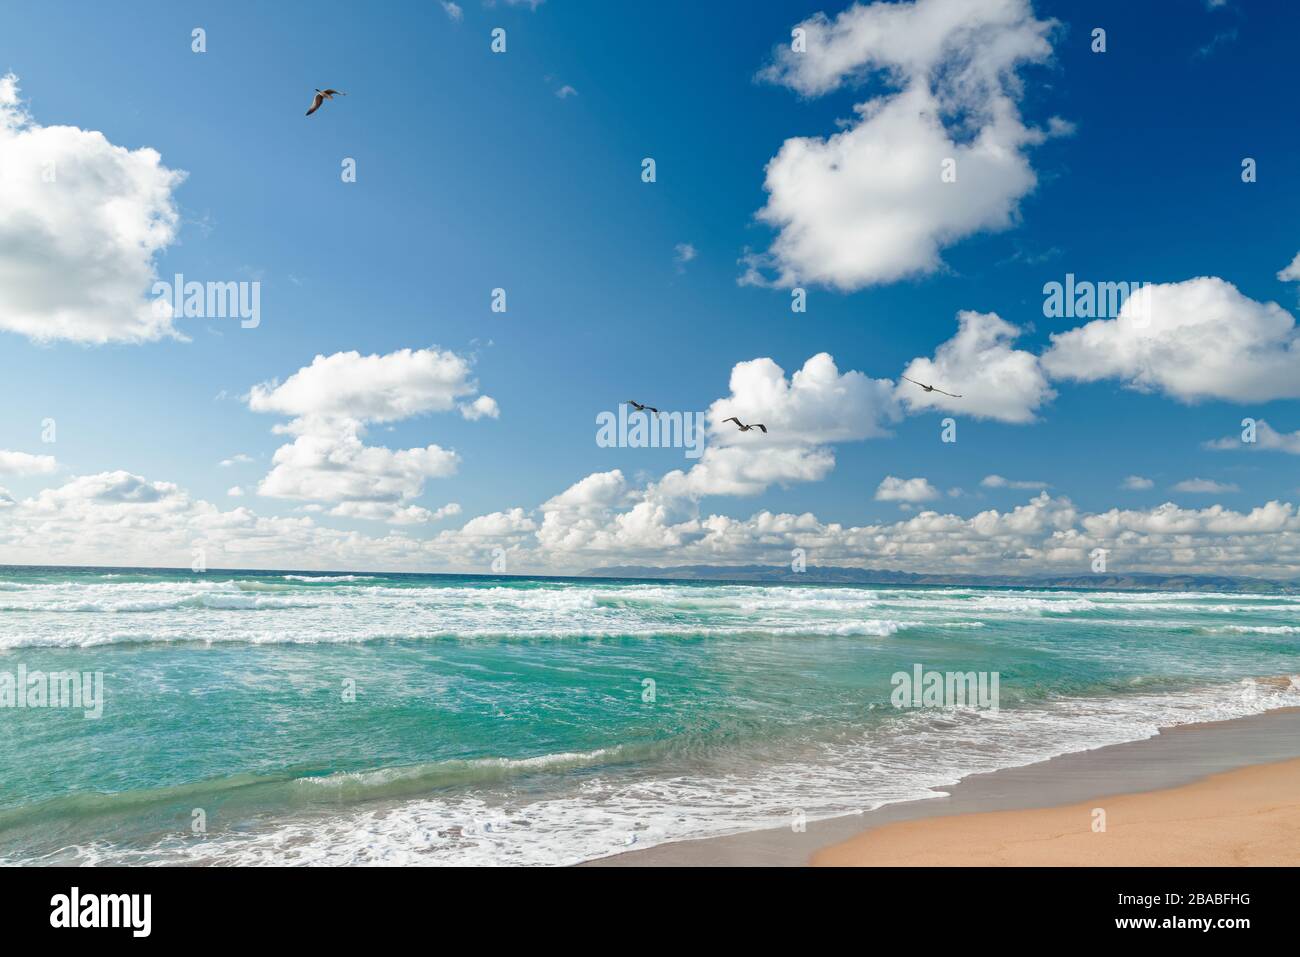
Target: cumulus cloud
[[1291, 273], [1267, 439], [817, 405], [336, 466], [997, 481], [1200, 486], [24, 463], [239, 458], [733, 470], [868, 205], [334, 399], [484, 407], [1137, 483], [453, 10], [120, 518], [374, 388], [392, 513], [1193, 340], [509, 533], [81, 221], [805, 414], [892, 489], [994, 380]]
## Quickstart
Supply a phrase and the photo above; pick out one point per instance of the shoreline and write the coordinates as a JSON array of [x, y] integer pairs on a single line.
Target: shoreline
[[1168, 762]]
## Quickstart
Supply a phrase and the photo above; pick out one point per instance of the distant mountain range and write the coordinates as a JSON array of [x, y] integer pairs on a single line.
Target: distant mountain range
[[877, 576]]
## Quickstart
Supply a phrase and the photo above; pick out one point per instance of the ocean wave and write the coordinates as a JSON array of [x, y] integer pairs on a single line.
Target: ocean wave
[[1258, 629], [329, 578], [909, 758], [124, 606]]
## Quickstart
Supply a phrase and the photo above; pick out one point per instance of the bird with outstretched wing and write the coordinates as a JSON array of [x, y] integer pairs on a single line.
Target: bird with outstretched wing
[[930, 388], [745, 428]]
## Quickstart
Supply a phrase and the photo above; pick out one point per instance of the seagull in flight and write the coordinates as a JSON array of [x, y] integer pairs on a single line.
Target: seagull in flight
[[930, 388], [321, 97], [745, 428], [643, 408]]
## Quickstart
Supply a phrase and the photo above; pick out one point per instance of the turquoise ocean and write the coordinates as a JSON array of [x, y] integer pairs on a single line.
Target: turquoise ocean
[[319, 718]]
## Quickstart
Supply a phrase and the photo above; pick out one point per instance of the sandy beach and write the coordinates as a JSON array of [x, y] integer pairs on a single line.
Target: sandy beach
[[1250, 816], [1223, 793]]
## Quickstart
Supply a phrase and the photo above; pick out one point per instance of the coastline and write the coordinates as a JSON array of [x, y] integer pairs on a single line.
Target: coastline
[[1168, 763]]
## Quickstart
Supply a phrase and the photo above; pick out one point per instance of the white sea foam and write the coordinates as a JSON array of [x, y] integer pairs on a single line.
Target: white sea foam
[[1259, 629], [612, 811], [310, 609], [325, 579]]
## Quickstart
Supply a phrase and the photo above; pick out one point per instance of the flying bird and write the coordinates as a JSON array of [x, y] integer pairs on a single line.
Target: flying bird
[[643, 408], [930, 388], [321, 97], [745, 428]]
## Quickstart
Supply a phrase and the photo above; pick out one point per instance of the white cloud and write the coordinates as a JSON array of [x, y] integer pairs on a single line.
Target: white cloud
[[373, 388], [893, 489], [24, 463], [730, 470], [476, 543], [239, 458], [333, 399], [235, 491], [683, 253], [815, 406], [1137, 483], [336, 466], [1200, 486], [1291, 273], [392, 513], [994, 380], [805, 414], [565, 92], [1042, 536], [867, 205], [77, 253], [1193, 340], [598, 491], [116, 518], [997, 481], [483, 407], [454, 11], [1267, 439]]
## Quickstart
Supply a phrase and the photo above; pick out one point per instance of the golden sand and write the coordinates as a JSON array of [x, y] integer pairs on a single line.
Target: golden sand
[[1250, 816]]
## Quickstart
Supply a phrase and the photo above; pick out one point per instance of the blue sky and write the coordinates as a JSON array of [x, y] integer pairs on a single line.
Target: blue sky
[[472, 174]]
